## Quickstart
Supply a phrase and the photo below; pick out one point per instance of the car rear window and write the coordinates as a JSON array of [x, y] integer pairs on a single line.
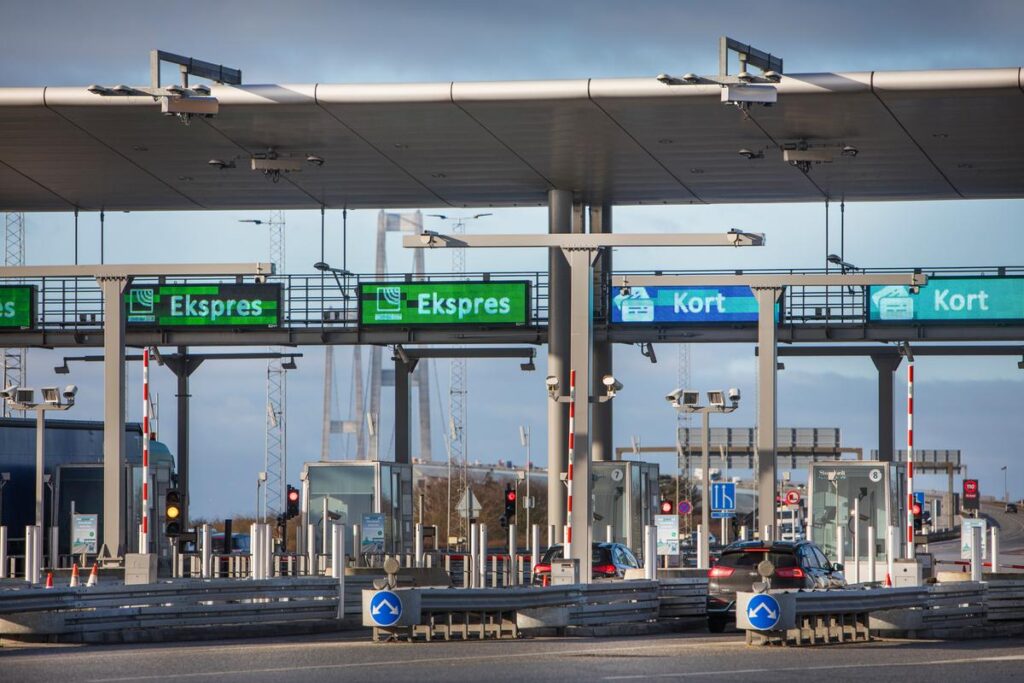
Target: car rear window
[[601, 555], [750, 558]]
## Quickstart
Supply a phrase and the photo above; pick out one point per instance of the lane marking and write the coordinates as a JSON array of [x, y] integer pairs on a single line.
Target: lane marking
[[831, 667], [445, 658]]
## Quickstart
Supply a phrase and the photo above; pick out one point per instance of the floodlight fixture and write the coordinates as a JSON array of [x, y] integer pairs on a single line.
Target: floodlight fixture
[[314, 159], [289, 364], [691, 398], [24, 396], [51, 395], [62, 369], [716, 398], [528, 366]]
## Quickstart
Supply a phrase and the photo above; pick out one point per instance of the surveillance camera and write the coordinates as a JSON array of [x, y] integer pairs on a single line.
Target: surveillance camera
[[9, 391], [664, 78], [70, 391], [552, 382], [674, 396], [734, 394]]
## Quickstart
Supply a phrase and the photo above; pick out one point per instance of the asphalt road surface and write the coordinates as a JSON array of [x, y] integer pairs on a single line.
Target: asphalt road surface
[[665, 657]]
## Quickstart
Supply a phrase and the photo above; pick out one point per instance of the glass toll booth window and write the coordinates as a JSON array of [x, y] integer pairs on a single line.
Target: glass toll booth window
[[375, 495], [839, 488], [623, 492]]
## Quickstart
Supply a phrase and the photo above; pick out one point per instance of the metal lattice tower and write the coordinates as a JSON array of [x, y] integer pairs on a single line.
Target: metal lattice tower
[[15, 370], [276, 455], [457, 390]]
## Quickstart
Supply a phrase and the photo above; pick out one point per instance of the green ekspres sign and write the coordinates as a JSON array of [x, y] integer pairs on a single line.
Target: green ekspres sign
[[17, 306], [207, 305], [444, 303], [950, 300]]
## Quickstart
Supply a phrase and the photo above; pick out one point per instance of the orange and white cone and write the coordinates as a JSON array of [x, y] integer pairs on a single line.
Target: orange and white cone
[[74, 576], [888, 580], [49, 580], [94, 576]]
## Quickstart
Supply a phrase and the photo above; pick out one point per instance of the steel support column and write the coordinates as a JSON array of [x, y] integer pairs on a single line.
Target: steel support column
[[886, 365], [402, 418], [559, 221], [767, 415], [603, 443], [114, 523]]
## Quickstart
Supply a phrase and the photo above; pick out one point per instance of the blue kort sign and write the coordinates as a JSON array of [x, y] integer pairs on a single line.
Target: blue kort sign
[[763, 612], [385, 608]]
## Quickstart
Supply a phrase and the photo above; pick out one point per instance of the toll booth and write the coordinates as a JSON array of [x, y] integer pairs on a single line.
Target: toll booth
[[375, 495], [836, 490], [625, 497]]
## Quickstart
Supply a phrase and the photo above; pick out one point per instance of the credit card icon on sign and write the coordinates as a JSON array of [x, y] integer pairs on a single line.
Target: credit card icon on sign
[[637, 311]]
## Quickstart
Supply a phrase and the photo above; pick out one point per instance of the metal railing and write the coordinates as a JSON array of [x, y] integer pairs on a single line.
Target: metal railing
[[321, 300]]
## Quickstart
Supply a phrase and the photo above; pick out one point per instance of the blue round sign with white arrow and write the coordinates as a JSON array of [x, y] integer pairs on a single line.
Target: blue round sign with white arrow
[[763, 612], [385, 608]]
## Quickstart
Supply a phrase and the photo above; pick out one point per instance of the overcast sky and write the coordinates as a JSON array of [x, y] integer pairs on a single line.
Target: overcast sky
[[967, 404]]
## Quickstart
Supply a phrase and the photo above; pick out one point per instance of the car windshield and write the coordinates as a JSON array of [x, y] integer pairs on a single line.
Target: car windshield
[[601, 555], [750, 558]]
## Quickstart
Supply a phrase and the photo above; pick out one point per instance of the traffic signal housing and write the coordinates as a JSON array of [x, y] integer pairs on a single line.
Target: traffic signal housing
[[172, 512], [510, 503], [667, 507], [292, 498], [915, 507]]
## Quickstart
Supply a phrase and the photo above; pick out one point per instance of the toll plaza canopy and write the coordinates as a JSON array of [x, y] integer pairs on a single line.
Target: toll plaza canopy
[[870, 135]]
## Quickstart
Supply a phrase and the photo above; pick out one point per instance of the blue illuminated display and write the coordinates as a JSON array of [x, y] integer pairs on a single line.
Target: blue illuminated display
[[731, 304]]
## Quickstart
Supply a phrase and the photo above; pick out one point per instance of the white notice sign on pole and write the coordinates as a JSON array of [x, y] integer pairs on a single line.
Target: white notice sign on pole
[[668, 534]]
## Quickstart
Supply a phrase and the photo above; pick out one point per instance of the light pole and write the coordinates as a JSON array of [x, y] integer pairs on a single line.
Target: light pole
[[24, 399], [261, 477], [524, 439], [687, 400], [1006, 490]]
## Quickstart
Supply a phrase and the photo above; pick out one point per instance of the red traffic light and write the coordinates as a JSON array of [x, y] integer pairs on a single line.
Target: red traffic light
[[510, 496], [667, 508], [293, 495], [916, 508]]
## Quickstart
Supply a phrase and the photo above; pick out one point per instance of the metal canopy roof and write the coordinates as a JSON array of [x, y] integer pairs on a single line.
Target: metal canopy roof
[[919, 135]]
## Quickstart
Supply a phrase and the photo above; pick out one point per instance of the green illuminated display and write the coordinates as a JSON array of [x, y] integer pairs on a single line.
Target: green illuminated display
[[212, 305], [17, 306], [951, 299], [444, 303]]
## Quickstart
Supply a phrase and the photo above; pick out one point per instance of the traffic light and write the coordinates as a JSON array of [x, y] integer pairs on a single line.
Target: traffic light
[[510, 503], [667, 507], [916, 509], [293, 502], [172, 512]]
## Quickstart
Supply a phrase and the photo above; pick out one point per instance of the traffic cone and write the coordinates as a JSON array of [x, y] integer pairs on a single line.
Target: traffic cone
[[94, 576], [74, 576], [888, 580], [49, 580]]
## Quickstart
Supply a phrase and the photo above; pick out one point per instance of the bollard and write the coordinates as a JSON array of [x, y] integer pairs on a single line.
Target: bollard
[[268, 544], [743, 533], [338, 551], [535, 547], [311, 568], [473, 559], [975, 553], [511, 576], [482, 559], [255, 541], [356, 543], [766, 536], [609, 534], [841, 545], [552, 538], [871, 554], [650, 552], [494, 571], [3, 552], [206, 546], [856, 540], [33, 554], [418, 560], [700, 547], [891, 550], [994, 549]]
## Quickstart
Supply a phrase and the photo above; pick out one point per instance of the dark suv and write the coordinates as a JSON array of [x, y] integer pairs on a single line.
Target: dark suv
[[798, 564]]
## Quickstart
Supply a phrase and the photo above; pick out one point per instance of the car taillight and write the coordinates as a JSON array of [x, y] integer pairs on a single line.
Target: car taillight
[[542, 568], [720, 572], [606, 569], [789, 572]]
